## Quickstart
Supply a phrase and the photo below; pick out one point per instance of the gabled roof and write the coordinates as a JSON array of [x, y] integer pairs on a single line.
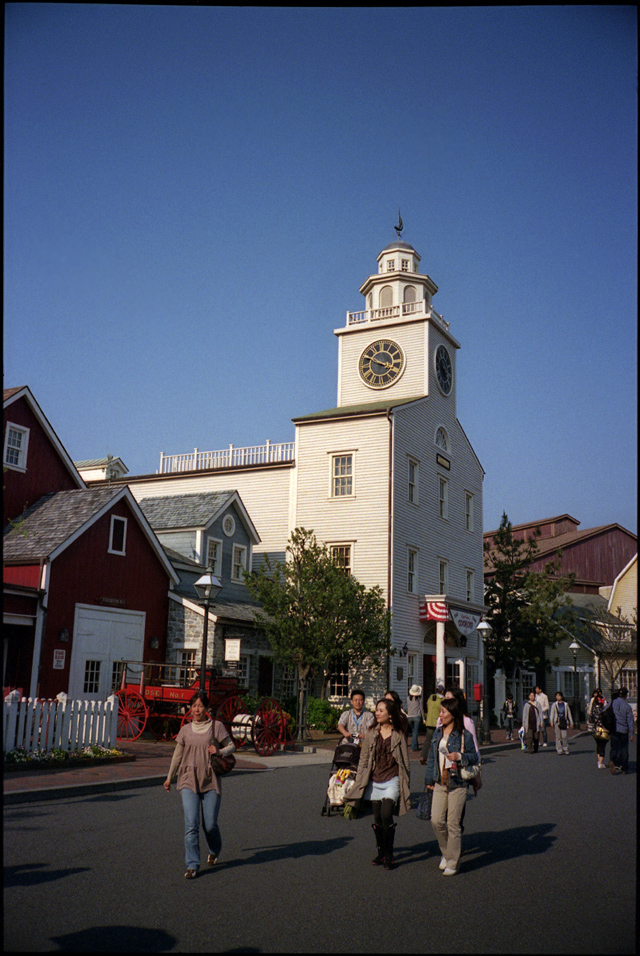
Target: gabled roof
[[550, 545], [366, 408], [200, 510], [55, 521], [11, 395]]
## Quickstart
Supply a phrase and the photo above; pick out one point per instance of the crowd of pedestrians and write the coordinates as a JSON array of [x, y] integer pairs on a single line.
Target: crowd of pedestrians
[[450, 755]]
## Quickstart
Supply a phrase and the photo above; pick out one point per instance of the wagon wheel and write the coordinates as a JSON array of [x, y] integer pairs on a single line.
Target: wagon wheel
[[269, 727], [132, 715], [164, 726], [228, 709]]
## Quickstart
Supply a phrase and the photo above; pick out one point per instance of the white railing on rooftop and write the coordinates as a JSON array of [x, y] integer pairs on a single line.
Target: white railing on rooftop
[[231, 457], [396, 312]]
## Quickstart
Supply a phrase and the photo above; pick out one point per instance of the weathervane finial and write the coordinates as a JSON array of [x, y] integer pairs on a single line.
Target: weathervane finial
[[399, 227]]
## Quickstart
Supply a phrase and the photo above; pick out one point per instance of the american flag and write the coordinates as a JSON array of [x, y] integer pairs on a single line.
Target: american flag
[[434, 611]]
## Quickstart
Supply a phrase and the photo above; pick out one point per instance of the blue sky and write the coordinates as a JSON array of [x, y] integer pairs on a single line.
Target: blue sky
[[194, 195]]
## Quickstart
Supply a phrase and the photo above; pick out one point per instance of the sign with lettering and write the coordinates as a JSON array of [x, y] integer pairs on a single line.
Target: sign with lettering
[[443, 462], [232, 649], [59, 657], [465, 621]]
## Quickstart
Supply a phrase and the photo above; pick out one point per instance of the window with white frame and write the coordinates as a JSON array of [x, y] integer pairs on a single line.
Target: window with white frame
[[118, 535], [443, 575], [341, 554], [239, 562], [527, 685], [442, 440], [339, 677], [412, 670], [404, 265], [117, 671], [289, 681], [391, 265], [214, 555], [628, 678], [341, 475], [443, 497], [187, 665], [412, 570], [91, 677], [470, 585], [16, 441], [242, 672], [468, 511], [413, 486], [568, 684]]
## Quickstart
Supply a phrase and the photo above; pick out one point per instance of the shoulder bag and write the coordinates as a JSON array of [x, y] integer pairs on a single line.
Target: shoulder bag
[[472, 772], [222, 765]]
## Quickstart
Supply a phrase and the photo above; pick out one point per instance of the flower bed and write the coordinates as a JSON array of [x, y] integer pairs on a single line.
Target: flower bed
[[22, 759]]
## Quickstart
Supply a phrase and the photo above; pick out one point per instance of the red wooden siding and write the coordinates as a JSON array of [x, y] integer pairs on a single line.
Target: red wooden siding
[[27, 575], [85, 573], [45, 473]]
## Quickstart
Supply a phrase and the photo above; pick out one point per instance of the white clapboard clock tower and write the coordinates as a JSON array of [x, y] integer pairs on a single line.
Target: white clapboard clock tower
[[398, 345], [389, 480]]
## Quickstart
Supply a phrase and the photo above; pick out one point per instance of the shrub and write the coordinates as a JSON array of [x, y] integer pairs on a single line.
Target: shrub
[[321, 715]]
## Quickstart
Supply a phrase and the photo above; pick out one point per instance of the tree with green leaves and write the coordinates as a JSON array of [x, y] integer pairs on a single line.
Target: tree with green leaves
[[312, 612], [522, 603]]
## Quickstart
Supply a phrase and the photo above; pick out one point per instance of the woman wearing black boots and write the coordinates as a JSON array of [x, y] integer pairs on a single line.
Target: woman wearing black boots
[[383, 777]]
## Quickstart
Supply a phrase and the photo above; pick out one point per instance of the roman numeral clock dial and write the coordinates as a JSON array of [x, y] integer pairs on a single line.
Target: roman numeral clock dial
[[381, 364]]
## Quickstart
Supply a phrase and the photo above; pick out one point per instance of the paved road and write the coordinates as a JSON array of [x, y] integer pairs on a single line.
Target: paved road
[[549, 866]]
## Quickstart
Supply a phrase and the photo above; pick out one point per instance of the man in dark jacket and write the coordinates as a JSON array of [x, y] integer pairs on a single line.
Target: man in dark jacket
[[619, 753]]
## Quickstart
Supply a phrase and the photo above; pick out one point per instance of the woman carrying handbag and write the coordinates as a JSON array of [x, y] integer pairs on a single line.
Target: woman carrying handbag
[[596, 705], [198, 783], [453, 761]]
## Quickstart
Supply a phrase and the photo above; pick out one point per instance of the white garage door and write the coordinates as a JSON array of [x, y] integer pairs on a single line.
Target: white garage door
[[101, 638]]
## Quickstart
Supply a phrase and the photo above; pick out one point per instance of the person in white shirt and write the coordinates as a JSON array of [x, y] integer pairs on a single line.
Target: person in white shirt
[[543, 700]]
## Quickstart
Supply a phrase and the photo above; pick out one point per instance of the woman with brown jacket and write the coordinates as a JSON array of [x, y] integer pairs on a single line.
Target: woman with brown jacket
[[383, 777]]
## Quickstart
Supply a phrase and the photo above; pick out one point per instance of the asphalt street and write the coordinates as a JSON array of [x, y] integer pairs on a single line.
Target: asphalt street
[[548, 866]]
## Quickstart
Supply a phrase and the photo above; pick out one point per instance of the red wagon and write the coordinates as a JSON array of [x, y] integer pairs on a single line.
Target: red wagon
[[155, 697]]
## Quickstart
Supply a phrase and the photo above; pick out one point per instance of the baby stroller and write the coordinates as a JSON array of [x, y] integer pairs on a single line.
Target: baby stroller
[[343, 776]]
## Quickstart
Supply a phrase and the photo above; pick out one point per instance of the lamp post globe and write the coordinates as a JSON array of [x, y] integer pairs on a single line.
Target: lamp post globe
[[207, 588]]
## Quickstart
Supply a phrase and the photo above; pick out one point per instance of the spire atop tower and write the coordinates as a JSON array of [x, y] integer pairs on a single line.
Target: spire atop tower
[[399, 227]]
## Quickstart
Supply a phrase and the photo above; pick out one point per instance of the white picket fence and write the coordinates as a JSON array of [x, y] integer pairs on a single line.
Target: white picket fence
[[37, 724]]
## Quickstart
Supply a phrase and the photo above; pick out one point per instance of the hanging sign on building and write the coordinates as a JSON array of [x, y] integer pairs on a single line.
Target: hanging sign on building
[[232, 649], [465, 621]]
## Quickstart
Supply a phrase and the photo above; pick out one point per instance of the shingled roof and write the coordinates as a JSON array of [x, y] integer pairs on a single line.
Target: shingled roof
[[48, 523], [184, 511]]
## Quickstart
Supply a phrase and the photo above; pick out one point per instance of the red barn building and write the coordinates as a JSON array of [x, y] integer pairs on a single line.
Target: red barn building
[[595, 555], [86, 581]]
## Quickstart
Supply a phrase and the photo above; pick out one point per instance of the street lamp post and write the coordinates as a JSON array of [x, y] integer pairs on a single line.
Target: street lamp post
[[207, 588], [574, 647], [484, 629]]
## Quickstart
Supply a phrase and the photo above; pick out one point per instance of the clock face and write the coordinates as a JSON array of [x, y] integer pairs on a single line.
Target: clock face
[[444, 369], [381, 364]]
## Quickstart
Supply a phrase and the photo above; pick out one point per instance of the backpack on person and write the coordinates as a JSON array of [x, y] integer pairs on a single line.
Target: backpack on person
[[608, 719]]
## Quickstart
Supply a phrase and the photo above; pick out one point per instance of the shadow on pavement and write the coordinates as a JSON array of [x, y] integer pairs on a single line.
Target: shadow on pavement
[[34, 873], [116, 939]]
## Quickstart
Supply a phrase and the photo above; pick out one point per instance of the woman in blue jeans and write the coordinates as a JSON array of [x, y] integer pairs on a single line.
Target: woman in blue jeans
[[200, 788]]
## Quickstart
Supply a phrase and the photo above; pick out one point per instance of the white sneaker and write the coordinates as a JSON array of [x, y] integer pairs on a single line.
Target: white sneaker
[[443, 864], [544, 745], [450, 871]]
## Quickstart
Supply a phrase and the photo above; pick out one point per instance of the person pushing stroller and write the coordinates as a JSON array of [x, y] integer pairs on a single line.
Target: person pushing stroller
[[353, 724]]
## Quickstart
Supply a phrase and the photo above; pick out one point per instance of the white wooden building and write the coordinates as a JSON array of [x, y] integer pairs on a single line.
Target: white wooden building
[[387, 478]]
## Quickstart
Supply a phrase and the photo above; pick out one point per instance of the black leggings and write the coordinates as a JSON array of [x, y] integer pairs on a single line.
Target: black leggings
[[383, 812]]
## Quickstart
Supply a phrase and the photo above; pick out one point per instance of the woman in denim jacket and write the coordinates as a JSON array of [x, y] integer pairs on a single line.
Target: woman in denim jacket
[[443, 776]]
